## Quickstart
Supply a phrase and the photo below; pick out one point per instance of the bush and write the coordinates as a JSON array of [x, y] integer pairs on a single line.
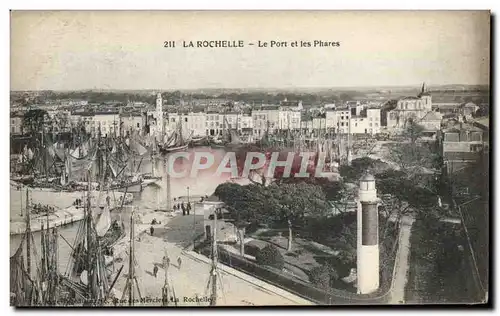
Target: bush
[[270, 256], [323, 276]]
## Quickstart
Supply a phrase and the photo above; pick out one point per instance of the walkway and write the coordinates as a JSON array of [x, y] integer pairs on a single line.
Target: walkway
[[402, 262], [190, 279]]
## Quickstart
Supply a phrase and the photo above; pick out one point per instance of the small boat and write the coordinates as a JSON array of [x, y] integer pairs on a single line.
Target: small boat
[[199, 141], [129, 186], [173, 149]]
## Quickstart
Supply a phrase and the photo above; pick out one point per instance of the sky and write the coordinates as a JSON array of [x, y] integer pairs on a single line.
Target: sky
[[75, 50]]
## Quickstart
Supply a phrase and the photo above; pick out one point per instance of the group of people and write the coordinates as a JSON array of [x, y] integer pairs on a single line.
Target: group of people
[[78, 202], [166, 264], [42, 209], [186, 208], [153, 222]]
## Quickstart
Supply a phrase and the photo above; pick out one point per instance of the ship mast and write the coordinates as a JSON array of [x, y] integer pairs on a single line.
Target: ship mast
[[129, 286], [214, 272], [169, 193], [28, 235], [91, 285]]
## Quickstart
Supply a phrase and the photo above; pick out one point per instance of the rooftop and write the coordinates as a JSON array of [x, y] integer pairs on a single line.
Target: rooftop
[[432, 116], [367, 177], [410, 98], [467, 156], [95, 113], [484, 121], [461, 127]]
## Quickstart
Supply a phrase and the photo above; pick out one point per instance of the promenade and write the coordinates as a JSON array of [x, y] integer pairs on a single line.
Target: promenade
[[189, 279]]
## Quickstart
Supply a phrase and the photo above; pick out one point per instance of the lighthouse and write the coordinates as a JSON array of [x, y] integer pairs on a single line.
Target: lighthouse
[[368, 250]]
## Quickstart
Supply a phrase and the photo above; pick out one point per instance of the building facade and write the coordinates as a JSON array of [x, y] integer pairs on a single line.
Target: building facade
[[409, 108], [16, 124]]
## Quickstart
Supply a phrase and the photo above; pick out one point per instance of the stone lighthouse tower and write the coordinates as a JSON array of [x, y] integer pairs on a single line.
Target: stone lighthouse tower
[[368, 250]]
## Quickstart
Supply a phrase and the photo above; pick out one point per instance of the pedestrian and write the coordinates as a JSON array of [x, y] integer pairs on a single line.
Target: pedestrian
[[152, 230], [183, 209], [188, 208], [179, 262], [166, 263], [155, 270]]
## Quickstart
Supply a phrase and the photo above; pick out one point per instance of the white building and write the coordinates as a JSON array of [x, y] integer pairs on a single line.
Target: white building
[[361, 121], [368, 122], [192, 123], [108, 122], [132, 123], [337, 120], [196, 123], [407, 108], [246, 121], [289, 119], [265, 119], [212, 124], [16, 124]]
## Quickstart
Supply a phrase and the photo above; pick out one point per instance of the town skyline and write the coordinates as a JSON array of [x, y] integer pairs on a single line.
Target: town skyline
[[416, 86], [91, 50]]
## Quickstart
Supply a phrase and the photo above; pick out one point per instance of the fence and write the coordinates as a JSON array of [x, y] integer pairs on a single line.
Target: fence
[[300, 288], [477, 276]]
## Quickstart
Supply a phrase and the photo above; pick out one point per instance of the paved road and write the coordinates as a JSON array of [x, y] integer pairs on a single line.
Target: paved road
[[190, 280], [402, 261]]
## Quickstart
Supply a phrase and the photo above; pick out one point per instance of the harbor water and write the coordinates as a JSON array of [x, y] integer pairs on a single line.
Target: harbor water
[[152, 197]]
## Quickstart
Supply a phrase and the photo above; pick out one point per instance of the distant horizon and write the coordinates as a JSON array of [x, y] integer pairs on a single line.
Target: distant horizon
[[402, 86]]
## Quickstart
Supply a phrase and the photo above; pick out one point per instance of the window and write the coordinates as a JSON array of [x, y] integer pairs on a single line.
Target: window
[[138, 125], [376, 124], [342, 124], [185, 119], [356, 124], [371, 124], [475, 147], [173, 120], [12, 129]]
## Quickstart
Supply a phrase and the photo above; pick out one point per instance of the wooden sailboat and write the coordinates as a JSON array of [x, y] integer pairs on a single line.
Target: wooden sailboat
[[176, 141], [25, 287], [87, 274], [230, 138]]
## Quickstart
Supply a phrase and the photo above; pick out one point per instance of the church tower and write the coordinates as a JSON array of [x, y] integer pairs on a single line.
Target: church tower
[[159, 117], [426, 98]]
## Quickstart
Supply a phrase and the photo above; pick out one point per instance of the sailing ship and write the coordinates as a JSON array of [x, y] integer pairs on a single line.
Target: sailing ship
[[200, 141], [229, 139], [87, 279], [175, 141], [55, 166], [26, 285]]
